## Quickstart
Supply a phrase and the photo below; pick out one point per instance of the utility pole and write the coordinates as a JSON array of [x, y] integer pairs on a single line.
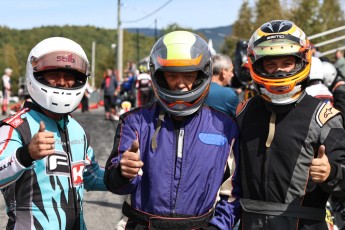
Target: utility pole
[[93, 64], [138, 47], [119, 42], [155, 30]]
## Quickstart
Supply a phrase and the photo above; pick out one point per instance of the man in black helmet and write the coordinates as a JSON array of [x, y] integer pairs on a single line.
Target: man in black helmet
[[292, 144], [176, 157]]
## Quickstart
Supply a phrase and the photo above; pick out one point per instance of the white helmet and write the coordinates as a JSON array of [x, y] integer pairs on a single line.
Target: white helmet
[[329, 73], [57, 54], [316, 69]]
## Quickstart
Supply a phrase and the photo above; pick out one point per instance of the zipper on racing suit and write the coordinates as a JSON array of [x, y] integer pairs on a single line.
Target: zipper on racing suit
[[64, 133], [179, 154]]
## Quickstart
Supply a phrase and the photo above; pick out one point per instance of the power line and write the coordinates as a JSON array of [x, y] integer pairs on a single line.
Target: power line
[[132, 21]]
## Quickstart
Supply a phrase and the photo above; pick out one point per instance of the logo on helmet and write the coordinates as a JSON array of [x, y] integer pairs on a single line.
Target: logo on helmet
[[281, 89], [69, 58], [277, 36]]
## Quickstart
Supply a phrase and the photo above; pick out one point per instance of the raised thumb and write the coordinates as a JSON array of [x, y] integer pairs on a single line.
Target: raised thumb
[[321, 151], [135, 146], [42, 127]]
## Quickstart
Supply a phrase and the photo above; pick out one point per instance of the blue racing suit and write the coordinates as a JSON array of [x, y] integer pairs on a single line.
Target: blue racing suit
[[189, 169], [46, 193]]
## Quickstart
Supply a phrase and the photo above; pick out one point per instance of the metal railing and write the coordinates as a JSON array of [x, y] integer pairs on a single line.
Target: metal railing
[[330, 40]]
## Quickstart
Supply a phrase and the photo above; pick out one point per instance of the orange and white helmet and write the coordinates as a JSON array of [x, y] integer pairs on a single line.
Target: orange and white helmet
[[279, 38]]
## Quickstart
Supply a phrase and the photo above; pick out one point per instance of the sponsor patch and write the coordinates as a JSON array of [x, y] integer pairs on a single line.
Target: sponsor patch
[[212, 139], [325, 113], [57, 164], [77, 172], [241, 106]]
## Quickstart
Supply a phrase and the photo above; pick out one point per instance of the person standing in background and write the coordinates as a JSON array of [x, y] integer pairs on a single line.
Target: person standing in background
[[221, 96], [316, 86], [144, 87], [6, 89], [340, 62], [109, 88], [85, 99]]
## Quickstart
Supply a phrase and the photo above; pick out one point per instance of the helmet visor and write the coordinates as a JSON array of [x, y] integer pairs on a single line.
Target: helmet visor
[[60, 60], [276, 47]]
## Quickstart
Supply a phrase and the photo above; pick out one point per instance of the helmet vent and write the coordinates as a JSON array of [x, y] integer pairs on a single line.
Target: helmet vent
[[78, 94], [44, 90], [66, 105], [56, 92], [54, 103]]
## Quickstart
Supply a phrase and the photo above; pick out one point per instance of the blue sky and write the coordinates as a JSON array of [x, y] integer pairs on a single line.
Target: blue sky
[[195, 14]]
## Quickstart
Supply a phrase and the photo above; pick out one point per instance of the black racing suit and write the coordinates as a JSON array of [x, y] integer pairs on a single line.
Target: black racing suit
[[277, 190]]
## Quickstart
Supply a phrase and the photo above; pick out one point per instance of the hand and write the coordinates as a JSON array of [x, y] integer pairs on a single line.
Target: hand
[[42, 143], [130, 161], [320, 167]]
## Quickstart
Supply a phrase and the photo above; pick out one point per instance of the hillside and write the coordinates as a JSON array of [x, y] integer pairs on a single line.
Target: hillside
[[217, 34]]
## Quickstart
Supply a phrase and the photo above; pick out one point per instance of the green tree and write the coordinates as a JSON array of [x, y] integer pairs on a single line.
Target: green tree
[[10, 60], [304, 14], [241, 29], [331, 16], [267, 10]]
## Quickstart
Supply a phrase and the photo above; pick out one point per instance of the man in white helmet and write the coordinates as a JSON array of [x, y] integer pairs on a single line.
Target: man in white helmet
[[46, 161]]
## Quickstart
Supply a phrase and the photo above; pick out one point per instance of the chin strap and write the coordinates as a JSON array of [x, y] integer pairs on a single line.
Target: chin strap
[[158, 127], [272, 129]]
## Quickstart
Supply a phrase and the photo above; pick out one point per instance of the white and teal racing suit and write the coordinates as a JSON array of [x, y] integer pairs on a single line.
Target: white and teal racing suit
[[46, 193]]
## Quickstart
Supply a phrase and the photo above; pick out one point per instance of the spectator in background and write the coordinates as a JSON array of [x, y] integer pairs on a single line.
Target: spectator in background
[[6, 89], [316, 86], [127, 92], [131, 67], [109, 88], [85, 99], [144, 87], [315, 51], [340, 62], [221, 96], [336, 84]]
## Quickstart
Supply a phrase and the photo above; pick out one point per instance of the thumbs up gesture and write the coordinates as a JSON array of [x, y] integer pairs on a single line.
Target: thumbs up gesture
[[42, 143], [320, 167], [130, 161]]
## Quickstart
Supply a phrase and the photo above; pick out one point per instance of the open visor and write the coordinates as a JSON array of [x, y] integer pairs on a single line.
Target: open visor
[[278, 45], [60, 60]]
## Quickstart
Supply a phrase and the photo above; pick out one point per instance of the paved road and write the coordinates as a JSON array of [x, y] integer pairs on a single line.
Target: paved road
[[102, 210]]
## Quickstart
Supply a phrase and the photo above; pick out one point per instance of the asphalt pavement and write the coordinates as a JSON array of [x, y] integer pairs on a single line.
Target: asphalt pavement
[[102, 210]]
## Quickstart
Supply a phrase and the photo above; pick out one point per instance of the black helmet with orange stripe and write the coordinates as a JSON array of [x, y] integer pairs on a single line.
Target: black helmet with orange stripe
[[181, 51], [279, 38]]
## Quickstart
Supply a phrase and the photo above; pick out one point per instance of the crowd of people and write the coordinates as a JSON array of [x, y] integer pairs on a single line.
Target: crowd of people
[[188, 152]]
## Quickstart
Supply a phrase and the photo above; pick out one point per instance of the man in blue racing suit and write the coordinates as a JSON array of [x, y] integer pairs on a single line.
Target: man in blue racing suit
[[177, 157], [45, 157]]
